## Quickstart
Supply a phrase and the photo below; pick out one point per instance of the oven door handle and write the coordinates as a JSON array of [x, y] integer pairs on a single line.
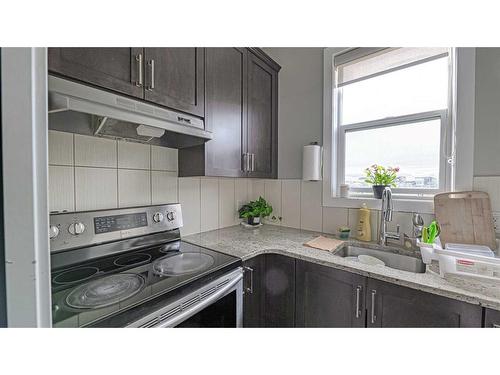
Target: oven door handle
[[179, 318]]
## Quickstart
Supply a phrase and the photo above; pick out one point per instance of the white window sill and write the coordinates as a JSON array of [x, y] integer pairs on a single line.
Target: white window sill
[[423, 206]]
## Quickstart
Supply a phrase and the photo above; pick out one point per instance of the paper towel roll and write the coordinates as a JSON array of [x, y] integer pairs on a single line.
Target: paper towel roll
[[311, 163]]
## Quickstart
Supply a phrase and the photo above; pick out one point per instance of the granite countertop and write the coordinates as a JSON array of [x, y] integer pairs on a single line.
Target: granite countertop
[[246, 243]]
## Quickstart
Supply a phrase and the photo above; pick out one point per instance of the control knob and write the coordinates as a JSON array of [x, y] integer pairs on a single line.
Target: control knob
[[170, 216], [158, 217], [76, 228], [53, 231]]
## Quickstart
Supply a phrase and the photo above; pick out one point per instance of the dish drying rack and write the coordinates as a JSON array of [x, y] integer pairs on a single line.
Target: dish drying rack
[[460, 259]]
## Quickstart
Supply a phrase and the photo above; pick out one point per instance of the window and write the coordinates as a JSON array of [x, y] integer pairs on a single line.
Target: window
[[391, 107]]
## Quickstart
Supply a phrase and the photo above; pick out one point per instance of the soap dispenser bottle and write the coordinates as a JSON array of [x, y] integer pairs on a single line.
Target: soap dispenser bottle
[[364, 227]]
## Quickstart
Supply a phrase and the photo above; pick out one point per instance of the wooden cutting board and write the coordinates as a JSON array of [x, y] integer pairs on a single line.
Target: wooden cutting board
[[465, 217]]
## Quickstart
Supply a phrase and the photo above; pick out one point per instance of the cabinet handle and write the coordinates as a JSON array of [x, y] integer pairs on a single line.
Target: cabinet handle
[[358, 297], [138, 59], [252, 158], [373, 317], [244, 162], [151, 64], [250, 289]]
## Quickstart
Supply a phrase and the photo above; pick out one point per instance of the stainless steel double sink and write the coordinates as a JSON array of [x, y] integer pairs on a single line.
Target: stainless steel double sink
[[391, 259]]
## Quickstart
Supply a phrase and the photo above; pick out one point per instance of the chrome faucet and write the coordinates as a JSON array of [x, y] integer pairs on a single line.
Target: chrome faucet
[[385, 217]]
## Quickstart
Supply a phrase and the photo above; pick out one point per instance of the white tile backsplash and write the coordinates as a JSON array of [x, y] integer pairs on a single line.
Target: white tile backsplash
[[95, 188], [228, 213], [241, 195], [311, 216], [490, 185], [87, 173], [209, 204], [62, 192], [290, 203], [272, 193], [60, 148], [164, 159], [95, 152], [255, 189], [134, 155], [189, 198], [163, 187], [333, 218], [134, 188]]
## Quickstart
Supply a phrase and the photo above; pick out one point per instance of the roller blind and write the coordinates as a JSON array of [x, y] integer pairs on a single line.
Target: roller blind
[[363, 63]]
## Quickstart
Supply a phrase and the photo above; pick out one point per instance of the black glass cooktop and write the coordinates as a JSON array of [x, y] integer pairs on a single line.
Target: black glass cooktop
[[95, 289]]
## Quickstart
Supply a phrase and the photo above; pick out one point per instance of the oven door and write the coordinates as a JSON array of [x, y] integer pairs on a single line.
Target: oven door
[[216, 304]]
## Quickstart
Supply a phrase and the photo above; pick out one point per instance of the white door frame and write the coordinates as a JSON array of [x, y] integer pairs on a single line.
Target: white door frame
[[25, 177]]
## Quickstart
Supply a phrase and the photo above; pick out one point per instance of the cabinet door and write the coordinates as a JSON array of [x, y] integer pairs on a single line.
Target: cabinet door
[[262, 117], [327, 297], [253, 298], [390, 305], [492, 318], [115, 69], [225, 112], [279, 291], [175, 78]]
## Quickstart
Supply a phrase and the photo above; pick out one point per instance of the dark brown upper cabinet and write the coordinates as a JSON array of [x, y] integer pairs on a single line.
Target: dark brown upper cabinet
[[225, 114], [170, 77], [241, 111], [175, 78], [262, 117], [116, 69]]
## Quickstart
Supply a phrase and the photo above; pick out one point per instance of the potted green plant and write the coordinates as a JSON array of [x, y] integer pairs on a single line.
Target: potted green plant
[[255, 210], [380, 177]]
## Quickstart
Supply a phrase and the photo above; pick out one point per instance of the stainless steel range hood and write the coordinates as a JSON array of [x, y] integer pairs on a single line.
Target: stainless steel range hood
[[81, 109]]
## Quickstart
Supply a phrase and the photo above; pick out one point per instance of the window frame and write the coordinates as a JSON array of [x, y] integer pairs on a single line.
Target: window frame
[[444, 151], [460, 115]]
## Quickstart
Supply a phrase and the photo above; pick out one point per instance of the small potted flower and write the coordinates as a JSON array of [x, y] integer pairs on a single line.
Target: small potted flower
[[380, 177], [255, 210]]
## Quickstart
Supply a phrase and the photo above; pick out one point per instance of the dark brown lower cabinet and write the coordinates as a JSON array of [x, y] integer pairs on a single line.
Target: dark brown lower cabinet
[[390, 305], [327, 297], [269, 287], [491, 318], [281, 291]]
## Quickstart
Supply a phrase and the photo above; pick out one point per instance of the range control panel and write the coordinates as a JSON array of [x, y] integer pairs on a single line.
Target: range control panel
[[79, 229]]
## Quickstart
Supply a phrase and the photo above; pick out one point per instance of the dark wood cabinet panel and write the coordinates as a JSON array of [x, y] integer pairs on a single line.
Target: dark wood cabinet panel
[[390, 305], [262, 117], [327, 297], [491, 318], [175, 78], [225, 112], [279, 291], [253, 299], [115, 69]]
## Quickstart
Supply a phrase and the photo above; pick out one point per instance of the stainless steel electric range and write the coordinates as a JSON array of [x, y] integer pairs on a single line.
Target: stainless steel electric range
[[130, 268]]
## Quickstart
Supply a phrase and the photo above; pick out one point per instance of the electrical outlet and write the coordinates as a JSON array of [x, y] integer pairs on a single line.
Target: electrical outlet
[[496, 221]]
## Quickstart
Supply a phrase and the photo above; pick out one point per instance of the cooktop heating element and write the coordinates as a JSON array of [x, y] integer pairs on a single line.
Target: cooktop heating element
[[105, 291], [132, 260], [182, 264], [74, 275]]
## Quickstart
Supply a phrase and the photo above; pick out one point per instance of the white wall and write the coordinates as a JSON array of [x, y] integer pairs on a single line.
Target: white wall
[[487, 112], [300, 105]]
